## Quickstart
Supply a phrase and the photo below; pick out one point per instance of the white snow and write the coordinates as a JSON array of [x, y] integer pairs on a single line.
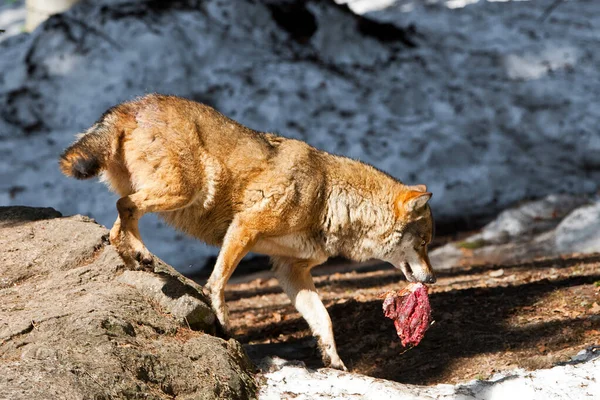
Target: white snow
[[12, 18], [573, 381], [580, 231], [366, 6], [530, 218], [494, 106], [549, 227]]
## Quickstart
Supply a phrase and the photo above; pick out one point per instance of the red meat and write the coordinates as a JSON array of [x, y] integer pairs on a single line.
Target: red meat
[[411, 312]]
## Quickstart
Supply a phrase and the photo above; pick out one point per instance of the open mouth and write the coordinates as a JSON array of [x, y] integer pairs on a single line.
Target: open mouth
[[407, 270]]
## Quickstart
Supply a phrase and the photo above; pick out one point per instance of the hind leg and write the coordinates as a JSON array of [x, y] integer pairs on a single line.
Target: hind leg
[[295, 279], [125, 234]]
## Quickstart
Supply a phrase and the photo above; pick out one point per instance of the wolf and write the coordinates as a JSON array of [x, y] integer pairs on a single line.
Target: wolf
[[244, 190]]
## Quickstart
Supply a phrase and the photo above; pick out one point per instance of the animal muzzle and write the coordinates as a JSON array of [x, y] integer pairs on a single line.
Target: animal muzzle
[[418, 274]]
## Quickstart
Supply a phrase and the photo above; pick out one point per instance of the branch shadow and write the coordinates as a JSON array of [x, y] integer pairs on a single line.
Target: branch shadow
[[469, 322], [11, 216], [374, 281], [362, 282]]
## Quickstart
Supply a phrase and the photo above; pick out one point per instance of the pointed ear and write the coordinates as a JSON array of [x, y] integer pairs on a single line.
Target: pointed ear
[[411, 200], [418, 188], [418, 201]]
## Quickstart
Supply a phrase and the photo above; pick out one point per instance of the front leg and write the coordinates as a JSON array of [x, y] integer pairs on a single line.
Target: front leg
[[295, 279], [125, 234], [129, 247], [238, 241]]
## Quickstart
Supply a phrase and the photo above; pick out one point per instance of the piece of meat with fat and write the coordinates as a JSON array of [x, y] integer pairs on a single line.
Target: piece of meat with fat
[[410, 310]]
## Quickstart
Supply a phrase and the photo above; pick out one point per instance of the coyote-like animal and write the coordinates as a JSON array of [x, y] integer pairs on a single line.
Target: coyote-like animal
[[244, 190]]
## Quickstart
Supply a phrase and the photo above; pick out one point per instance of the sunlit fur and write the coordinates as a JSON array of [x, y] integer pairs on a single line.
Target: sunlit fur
[[243, 190]]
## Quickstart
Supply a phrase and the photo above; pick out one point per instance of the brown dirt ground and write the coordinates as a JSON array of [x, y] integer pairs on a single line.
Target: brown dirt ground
[[487, 319]]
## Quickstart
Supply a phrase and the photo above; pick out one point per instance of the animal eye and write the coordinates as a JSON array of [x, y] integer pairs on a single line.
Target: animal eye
[[423, 243]]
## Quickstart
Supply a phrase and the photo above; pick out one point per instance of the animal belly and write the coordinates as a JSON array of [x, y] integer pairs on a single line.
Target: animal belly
[[207, 226], [293, 245]]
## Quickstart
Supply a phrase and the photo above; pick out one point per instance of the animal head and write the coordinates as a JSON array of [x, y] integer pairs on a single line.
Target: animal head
[[412, 233]]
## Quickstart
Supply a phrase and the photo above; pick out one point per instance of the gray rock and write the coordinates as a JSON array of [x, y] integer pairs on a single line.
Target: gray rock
[[10, 216], [74, 325], [184, 304]]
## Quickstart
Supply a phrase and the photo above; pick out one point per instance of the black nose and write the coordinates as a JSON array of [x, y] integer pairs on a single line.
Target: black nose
[[431, 279]]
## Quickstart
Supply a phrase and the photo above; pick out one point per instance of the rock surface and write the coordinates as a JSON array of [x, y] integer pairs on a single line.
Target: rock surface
[[74, 325]]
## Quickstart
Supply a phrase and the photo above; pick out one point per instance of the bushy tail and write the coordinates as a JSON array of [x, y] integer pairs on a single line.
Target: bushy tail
[[85, 158]]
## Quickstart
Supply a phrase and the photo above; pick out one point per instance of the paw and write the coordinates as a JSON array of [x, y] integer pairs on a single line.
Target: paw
[[331, 358], [224, 329], [224, 332], [338, 365], [136, 259], [221, 312], [223, 317], [144, 257]]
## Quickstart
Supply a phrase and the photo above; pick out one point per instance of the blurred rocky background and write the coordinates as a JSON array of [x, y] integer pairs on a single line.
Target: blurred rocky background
[[488, 103]]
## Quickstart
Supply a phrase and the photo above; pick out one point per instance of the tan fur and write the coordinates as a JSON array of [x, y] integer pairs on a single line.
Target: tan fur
[[243, 190]]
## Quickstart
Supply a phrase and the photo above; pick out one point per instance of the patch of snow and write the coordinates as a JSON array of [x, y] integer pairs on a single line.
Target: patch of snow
[[529, 218], [580, 230], [448, 256], [557, 224], [459, 3], [366, 6], [535, 66], [578, 380], [12, 18], [469, 111]]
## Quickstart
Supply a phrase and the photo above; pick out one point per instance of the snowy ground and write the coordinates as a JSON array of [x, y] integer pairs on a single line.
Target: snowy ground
[[579, 380], [549, 227], [12, 18], [493, 106]]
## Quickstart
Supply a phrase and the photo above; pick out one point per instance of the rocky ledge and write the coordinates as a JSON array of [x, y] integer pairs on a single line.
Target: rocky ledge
[[74, 324]]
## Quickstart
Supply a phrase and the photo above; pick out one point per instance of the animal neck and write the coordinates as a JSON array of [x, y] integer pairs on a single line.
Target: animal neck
[[358, 210]]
